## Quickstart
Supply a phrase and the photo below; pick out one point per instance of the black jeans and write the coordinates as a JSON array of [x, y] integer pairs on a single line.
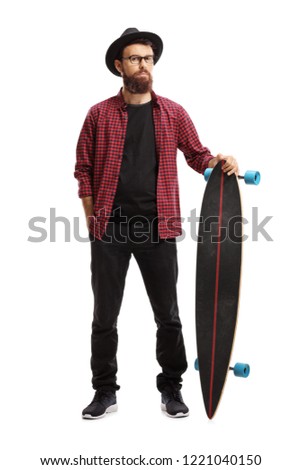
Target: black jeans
[[157, 260]]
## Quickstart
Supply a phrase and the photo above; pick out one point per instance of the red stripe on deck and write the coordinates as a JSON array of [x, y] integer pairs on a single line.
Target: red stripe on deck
[[218, 258]]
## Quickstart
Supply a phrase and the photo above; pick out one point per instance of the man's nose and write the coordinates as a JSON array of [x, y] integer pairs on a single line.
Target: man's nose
[[142, 63]]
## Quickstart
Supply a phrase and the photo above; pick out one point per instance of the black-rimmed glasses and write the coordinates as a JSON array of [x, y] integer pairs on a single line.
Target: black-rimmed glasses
[[136, 59]]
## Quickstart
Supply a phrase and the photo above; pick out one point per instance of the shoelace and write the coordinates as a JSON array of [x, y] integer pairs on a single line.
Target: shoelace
[[175, 395]]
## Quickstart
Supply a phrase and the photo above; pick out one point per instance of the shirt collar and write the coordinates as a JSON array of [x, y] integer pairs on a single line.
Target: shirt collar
[[122, 104]]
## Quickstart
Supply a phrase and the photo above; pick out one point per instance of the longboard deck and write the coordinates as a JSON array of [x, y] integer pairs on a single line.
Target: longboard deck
[[217, 282]]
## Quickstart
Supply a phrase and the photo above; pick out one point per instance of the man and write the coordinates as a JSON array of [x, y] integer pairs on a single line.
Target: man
[[126, 168]]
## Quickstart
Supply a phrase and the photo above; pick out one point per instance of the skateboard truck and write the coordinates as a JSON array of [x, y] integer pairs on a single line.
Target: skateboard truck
[[240, 369], [250, 176]]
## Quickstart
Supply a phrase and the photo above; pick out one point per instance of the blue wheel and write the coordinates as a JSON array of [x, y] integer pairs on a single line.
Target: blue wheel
[[196, 364], [252, 177], [207, 173], [241, 370]]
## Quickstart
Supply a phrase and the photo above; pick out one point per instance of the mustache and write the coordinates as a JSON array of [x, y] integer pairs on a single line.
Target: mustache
[[137, 74]]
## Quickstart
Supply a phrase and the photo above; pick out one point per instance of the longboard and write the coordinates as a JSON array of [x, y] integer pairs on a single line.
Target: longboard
[[218, 272]]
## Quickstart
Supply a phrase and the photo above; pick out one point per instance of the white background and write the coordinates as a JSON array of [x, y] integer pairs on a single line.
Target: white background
[[235, 67]]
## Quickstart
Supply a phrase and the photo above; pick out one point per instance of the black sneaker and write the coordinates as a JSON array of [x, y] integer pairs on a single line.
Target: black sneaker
[[104, 401], [173, 404]]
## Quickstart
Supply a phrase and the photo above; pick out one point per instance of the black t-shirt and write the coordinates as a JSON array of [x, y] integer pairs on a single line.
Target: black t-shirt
[[136, 190]]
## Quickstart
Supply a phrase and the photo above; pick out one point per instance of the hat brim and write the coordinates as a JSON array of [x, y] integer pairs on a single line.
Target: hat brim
[[120, 43]]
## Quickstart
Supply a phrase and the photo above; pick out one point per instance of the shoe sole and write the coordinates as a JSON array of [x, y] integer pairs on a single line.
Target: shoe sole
[[110, 409], [178, 415]]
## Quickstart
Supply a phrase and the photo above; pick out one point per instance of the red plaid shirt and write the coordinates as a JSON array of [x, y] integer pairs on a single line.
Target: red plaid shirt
[[100, 151]]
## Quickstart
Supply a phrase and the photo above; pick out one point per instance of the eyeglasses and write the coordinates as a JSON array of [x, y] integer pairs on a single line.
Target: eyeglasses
[[136, 59]]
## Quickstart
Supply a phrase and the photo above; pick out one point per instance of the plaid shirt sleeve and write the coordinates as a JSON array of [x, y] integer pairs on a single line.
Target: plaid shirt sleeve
[[197, 156], [85, 152]]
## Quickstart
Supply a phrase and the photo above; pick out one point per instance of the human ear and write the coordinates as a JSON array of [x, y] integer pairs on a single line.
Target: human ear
[[118, 66]]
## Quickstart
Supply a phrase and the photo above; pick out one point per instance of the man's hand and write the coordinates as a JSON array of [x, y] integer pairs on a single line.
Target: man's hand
[[230, 165], [88, 220], [88, 208]]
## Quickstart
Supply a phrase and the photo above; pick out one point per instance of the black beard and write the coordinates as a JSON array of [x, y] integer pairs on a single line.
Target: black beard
[[136, 84]]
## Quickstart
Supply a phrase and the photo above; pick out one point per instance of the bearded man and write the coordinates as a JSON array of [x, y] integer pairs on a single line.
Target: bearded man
[[127, 174]]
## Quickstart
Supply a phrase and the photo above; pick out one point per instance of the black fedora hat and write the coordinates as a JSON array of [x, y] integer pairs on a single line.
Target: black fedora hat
[[129, 35]]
